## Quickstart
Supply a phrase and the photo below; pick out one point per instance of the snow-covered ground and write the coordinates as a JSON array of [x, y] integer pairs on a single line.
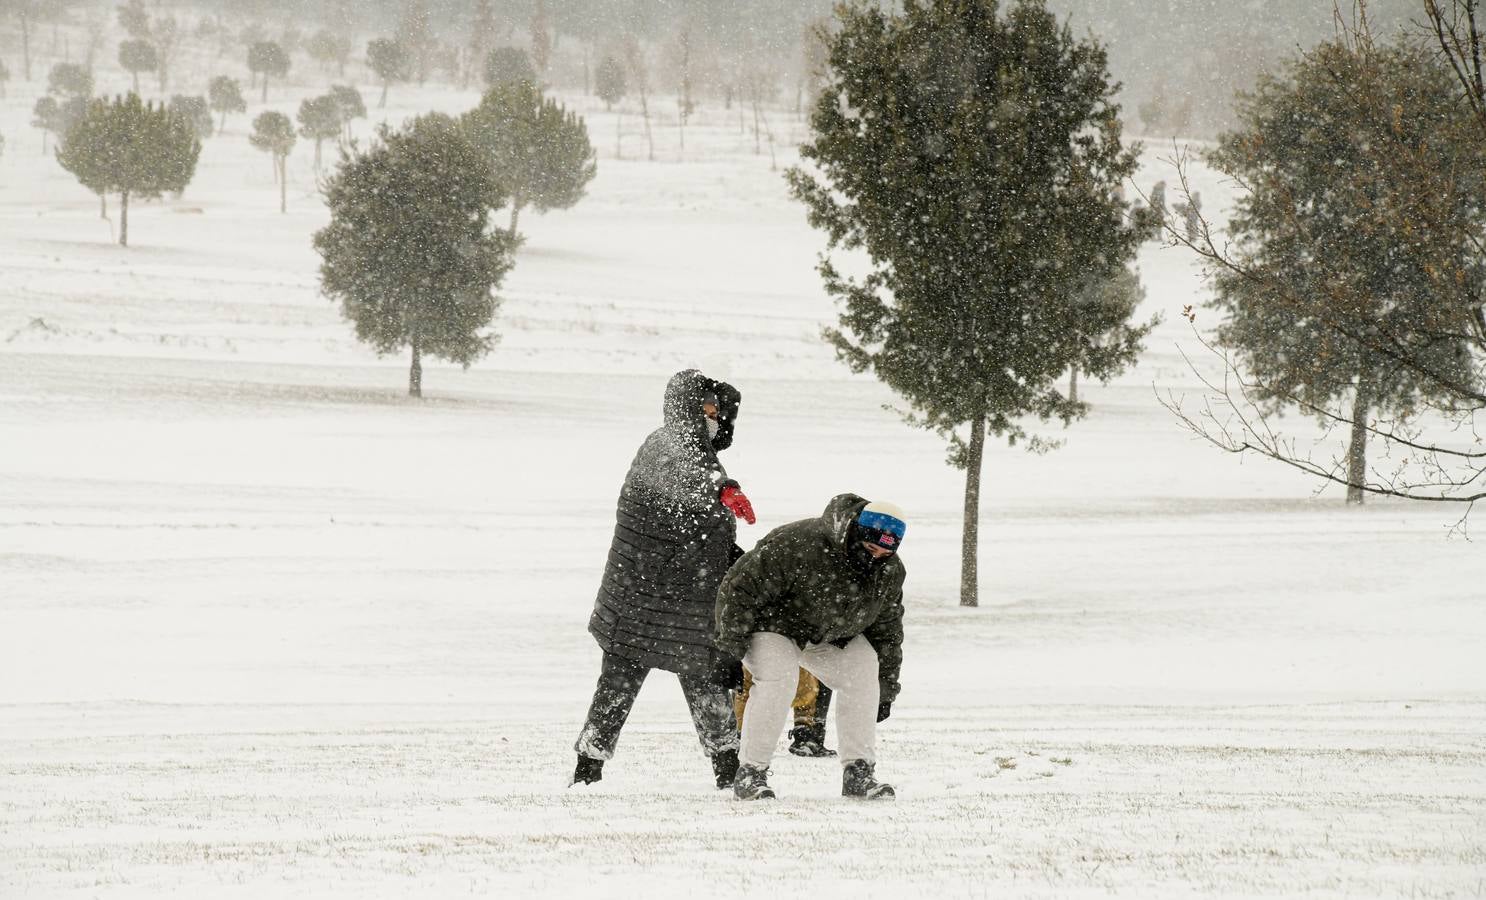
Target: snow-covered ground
[[270, 628]]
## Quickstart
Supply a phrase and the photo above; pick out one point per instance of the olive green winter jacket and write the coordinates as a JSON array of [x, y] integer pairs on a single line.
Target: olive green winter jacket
[[797, 582]]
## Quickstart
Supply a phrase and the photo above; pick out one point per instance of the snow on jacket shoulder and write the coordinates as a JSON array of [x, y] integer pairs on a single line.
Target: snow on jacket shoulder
[[797, 582]]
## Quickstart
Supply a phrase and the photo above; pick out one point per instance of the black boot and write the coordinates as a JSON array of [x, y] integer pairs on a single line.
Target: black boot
[[857, 781], [752, 783], [809, 740], [588, 771], [725, 767]]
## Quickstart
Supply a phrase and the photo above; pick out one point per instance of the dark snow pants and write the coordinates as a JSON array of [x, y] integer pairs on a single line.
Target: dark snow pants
[[619, 684]]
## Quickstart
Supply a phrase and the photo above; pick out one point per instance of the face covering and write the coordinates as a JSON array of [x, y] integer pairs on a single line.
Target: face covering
[[712, 427], [863, 563], [861, 560]]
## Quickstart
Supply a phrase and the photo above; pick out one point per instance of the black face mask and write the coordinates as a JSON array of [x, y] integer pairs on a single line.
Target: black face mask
[[863, 564]]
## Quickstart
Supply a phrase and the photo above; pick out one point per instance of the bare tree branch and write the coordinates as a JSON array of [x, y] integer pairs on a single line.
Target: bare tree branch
[[1231, 418]]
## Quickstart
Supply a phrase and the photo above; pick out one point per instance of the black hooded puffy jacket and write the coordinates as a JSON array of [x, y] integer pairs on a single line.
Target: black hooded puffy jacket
[[672, 537]]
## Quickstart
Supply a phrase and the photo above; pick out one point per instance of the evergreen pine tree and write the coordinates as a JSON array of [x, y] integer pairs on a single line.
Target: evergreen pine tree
[[609, 81], [1358, 233], [389, 61], [509, 65], [226, 96], [69, 80], [136, 149], [267, 58], [45, 115], [319, 119], [351, 106], [1107, 303], [976, 158], [328, 48], [136, 57], [195, 111], [415, 36], [56, 117], [135, 20], [92, 170], [25, 11], [1154, 112], [538, 150], [166, 36], [541, 42], [409, 251], [273, 133], [483, 34]]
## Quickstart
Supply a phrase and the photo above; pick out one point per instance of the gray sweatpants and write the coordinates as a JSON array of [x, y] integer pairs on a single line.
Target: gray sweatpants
[[850, 672]]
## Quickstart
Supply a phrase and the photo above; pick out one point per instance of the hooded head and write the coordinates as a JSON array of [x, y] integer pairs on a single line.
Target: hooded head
[[687, 395], [868, 534]]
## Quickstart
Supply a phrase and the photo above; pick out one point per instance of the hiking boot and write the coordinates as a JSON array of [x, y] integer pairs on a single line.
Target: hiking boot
[[752, 783], [725, 767], [857, 781], [809, 740], [588, 771]]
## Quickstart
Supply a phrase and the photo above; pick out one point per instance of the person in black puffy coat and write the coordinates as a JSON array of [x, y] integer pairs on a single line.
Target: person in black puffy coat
[[674, 538]]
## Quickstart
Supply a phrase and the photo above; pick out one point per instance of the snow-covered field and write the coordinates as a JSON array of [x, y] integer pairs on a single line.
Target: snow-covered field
[[270, 628]]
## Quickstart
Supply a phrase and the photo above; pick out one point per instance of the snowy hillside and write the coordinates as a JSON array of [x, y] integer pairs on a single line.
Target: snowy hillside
[[270, 628]]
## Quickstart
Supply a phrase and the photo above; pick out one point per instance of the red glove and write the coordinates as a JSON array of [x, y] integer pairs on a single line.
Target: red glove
[[734, 499]]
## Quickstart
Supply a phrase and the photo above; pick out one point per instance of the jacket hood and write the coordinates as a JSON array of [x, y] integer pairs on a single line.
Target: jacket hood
[[840, 513], [682, 409]]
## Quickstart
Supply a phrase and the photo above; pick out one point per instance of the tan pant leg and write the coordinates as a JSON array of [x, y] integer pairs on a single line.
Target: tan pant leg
[[805, 695], [740, 698]]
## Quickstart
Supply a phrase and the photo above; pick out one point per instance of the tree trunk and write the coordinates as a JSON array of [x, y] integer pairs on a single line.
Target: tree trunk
[[415, 374], [317, 154], [1073, 382], [45, 133], [102, 205], [381, 104], [265, 87], [222, 127], [515, 211], [26, 43], [124, 218], [649, 142], [136, 82], [283, 184], [1357, 451], [970, 539], [618, 135]]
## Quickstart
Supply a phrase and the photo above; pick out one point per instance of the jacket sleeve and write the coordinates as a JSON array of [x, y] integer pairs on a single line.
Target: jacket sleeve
[[754, 581], [886, 637]]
